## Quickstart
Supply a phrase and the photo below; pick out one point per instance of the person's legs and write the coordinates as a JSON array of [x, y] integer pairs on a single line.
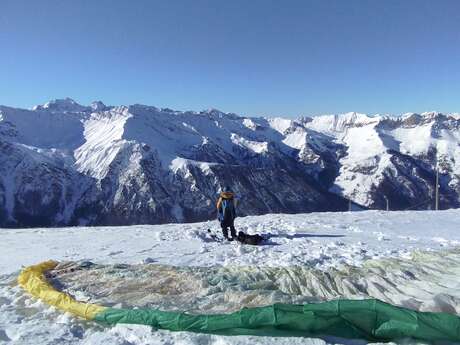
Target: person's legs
[[224, 230], [233, 230]]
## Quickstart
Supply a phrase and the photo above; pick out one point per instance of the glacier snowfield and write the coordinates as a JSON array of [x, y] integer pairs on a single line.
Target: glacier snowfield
[[406, 258]]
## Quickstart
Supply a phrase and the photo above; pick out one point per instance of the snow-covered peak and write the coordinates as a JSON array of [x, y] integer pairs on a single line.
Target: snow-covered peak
[[339, 123], [213, 111], [406, 115], [66, 104], [354, 118], [141, 108], [431, 114], [280, 124], [218, 114], [411, 119], [98, 106]]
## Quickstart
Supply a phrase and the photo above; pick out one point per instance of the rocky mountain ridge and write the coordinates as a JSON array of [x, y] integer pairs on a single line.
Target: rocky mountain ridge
[[63, 163]]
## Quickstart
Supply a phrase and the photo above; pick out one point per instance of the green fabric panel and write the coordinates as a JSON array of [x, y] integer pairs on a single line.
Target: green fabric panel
[[366, 319]]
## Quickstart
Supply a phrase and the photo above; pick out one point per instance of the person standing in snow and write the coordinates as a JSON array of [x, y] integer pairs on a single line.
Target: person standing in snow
[[226, 212]]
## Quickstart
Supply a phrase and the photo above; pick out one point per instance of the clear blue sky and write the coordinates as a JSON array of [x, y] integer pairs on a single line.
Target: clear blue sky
[[253, 57]]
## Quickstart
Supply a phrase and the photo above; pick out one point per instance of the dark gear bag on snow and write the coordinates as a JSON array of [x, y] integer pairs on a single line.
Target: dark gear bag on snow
[[249, 239]]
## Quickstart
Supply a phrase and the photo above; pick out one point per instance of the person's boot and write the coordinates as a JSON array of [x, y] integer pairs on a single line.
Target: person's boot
[[233, 232], [225, 233]]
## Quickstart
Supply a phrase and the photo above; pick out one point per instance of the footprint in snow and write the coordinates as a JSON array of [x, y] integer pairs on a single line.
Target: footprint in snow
[[147, 250], [4, 336], [115, 253], [381, 236], [439, 239], [353, 229], [148, 261], [409, 238], [203, 250]]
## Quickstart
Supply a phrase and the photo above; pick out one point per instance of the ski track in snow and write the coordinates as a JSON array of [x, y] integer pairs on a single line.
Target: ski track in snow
[[317, 240]]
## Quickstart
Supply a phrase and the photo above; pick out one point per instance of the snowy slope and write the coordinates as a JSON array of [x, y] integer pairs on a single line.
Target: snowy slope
[[67, 164], [395, 157], [406, 258], [365, 151]]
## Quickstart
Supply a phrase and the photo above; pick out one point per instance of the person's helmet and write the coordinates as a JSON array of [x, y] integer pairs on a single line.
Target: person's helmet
[[227, 189]]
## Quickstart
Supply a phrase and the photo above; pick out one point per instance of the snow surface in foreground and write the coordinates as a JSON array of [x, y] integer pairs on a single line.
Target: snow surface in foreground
[[318, 241]]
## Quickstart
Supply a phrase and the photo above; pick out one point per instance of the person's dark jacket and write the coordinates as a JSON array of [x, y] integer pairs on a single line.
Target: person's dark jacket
[[228, 215]]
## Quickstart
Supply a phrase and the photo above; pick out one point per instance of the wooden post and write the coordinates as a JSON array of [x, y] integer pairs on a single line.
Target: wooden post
[[436, 202]]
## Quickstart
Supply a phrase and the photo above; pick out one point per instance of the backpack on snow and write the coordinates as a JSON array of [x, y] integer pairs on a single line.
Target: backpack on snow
[[253, 240]]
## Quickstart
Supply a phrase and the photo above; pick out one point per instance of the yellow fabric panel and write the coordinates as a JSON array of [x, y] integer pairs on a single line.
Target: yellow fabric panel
[[32, 279]]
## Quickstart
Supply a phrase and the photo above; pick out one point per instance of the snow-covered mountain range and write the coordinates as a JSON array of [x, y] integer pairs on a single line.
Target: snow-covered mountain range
[[66, 164]]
